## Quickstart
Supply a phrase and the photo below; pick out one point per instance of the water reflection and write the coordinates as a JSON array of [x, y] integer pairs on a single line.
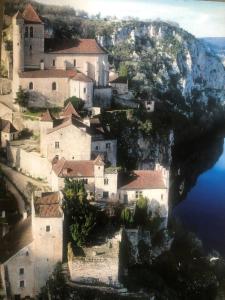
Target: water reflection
[[203, 209]]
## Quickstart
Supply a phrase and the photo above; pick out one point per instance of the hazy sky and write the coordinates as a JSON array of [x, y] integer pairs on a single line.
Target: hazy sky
[[203, 19]]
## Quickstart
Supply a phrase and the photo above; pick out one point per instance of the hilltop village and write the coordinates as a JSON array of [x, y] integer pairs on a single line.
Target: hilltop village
[[59, 146]]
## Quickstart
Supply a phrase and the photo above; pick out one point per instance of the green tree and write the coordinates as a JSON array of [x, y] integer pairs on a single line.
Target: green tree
[[22, 97], [81, 216], [55, 287], [127, 216], [141, 212], [77, 103], [123, 70]]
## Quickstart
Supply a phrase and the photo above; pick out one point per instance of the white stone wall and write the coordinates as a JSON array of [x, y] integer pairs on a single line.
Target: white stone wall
[[48, 247], [74, 143], [23, 259], [100, 146], [42, 94], [82, 90], [160, 195], [92, 65], [101, 265], [29, 163], [111, 187]]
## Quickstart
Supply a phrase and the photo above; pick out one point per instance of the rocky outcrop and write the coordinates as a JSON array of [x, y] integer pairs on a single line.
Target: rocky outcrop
[[162, 57]]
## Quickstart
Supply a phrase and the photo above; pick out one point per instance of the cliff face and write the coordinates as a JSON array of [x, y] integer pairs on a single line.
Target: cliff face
[[164, 57]]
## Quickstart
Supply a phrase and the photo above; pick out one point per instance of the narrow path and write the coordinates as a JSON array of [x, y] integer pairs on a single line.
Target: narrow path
[[21, 182]]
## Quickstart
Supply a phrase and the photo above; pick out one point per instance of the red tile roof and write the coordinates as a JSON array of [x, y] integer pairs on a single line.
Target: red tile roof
[[70, 110], [30, 15], [48, 74], [82, 77], [79, 46], [74, 168], [48, 206], [145, 180], [15, 240], [47, 117]]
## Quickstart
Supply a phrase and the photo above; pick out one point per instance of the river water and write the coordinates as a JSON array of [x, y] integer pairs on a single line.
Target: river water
[[202, 211]]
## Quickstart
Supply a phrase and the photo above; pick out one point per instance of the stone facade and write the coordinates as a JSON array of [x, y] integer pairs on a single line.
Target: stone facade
[[37, 248], [31, 51], [100, 264]]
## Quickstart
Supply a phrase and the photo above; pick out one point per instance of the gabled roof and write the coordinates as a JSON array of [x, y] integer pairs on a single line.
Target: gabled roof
[[9, 128], [82, 77], [47, 117], [68, 46], [48, 74], [68, 121], [18, 15], [145, 180], [48, 205], [74, 168], [30, 15], [15, 240], [70, 110]]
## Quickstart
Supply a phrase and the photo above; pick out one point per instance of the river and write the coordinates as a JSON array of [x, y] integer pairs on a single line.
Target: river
[[202, 210]]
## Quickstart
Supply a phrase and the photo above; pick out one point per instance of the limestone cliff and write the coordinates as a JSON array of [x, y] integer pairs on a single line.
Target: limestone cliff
[[163, 57]]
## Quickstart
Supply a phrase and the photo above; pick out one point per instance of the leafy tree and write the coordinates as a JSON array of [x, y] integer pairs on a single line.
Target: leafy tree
[[77, 103], [141, 211], [80, 214], [55, 287], [127, 216], [123, 70], [22, 97]]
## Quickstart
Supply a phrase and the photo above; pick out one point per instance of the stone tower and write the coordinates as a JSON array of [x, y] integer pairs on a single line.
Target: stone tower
[[33, 38], [18, 50]]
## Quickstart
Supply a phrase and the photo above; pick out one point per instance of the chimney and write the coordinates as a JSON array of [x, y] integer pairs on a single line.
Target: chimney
[[42, 65]]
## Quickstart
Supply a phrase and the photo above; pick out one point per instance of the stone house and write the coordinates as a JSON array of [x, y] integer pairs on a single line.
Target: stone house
[[53, 70], [29, 252], [119, 85], [152, 184], [99, 181], [74, 138], [8, 132]]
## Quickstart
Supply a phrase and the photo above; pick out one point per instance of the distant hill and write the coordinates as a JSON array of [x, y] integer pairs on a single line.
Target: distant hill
[[215, 42]]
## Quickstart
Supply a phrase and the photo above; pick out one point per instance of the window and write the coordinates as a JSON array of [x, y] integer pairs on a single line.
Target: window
[[47, 228], [96, 148], [85, 181], [30, 48], [106, 181], [53, 63], [74, 63], [54, 86], [161, 196], [31, 86], [31, 32], [21, 271], [26, 32], [138, 194], [22, 284], [108, 145], [56, 145], [85, 90]]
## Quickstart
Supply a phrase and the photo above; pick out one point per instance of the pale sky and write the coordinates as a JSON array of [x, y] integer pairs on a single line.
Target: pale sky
[[203, 19]]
